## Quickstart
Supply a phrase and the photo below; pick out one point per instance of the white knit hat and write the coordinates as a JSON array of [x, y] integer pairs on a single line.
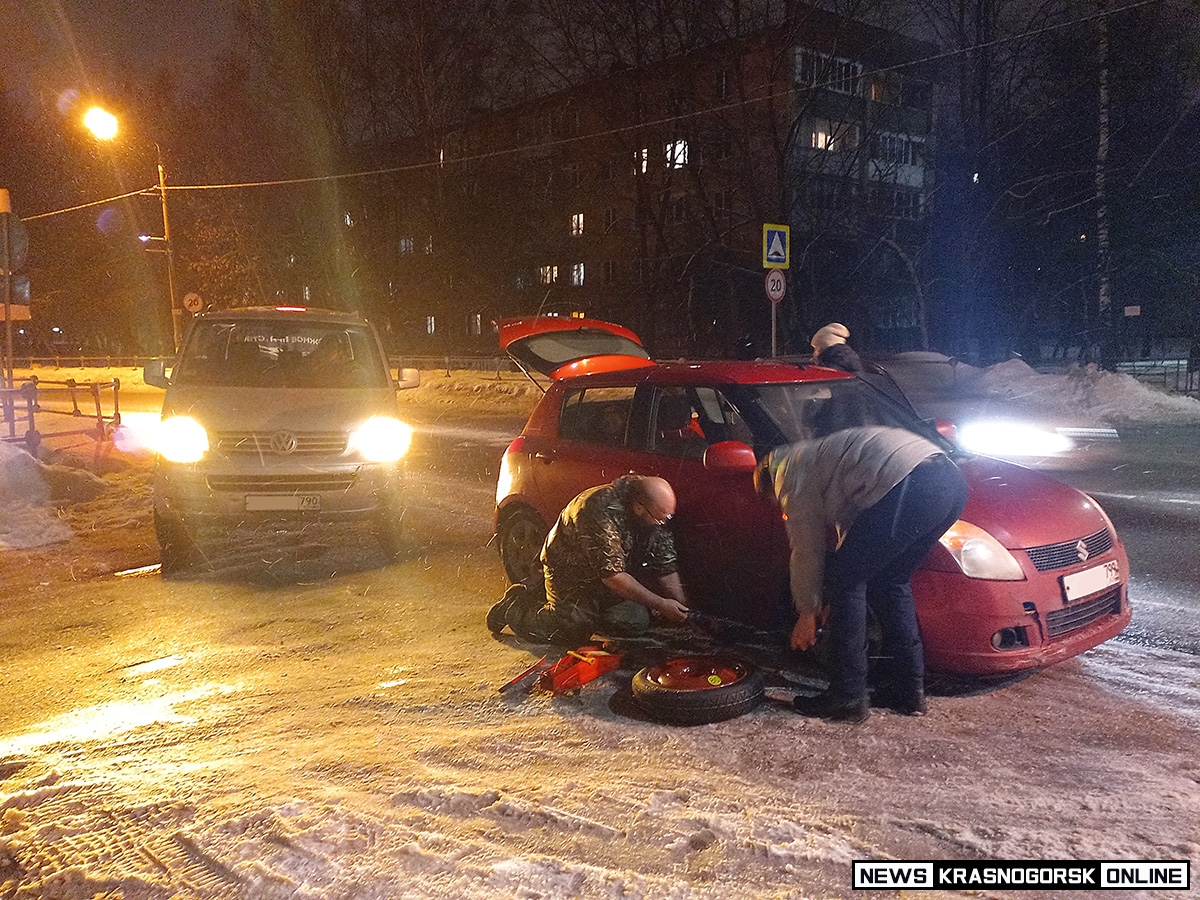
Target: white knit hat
[[833, 333]]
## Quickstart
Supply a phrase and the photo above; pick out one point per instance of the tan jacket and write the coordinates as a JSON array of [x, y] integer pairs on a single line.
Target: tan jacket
[[828, 482]]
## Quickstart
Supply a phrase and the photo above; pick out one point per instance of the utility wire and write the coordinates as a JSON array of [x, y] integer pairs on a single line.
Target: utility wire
[[547, 145]]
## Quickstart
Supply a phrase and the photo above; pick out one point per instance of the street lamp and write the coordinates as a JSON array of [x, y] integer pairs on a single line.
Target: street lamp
[[103, 125]]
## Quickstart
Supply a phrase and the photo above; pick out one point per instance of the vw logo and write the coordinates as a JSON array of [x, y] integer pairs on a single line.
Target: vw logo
[[1081, 550], [284, 442]]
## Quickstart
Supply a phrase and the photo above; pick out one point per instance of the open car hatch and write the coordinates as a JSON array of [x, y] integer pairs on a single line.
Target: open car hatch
[[561, 347]]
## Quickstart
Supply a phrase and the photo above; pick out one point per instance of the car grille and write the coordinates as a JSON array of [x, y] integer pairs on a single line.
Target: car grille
[[281, 484], [1059, 556], [1072, 618], [258, 443]]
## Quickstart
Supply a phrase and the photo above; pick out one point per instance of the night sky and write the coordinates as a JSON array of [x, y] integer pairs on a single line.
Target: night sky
[[48, 46]]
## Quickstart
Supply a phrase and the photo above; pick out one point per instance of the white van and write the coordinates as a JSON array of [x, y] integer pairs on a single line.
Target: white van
[[278, 416]]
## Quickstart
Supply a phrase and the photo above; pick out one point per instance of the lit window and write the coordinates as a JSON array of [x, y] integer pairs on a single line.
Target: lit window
[[430, 325], [641, 161], [548, 274], [677, 154], [576, 224], [822, 135], [407, 245], [577, 274], [429, 245], [349, 221]]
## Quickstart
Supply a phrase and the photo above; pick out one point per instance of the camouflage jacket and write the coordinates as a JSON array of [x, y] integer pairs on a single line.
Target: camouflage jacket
[[597, 536]]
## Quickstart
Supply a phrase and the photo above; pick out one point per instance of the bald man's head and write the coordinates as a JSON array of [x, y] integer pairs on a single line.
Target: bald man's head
[[653, 500]]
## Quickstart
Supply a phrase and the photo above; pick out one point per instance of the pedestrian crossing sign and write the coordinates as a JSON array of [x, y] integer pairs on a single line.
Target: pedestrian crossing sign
[[775, 246]]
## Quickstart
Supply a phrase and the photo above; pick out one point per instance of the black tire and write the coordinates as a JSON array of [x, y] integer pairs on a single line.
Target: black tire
[[696, 690], [521, 535], [176, 547]]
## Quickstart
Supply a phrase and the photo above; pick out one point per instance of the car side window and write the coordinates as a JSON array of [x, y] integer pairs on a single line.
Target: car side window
[[687, 420], [597, 415]]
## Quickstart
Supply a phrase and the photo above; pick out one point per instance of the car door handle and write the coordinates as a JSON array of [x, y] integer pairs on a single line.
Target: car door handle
[[545, 455]]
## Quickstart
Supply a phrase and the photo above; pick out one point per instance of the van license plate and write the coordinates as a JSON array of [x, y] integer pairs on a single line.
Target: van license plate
[[277, 502], [1090, 581]]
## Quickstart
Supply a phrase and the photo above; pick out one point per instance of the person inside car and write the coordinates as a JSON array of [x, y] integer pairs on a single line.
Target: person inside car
[[609, 564], [890, 494]]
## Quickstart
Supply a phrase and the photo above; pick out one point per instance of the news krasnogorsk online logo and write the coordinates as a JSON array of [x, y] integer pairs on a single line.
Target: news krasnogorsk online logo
[[1033, 875]]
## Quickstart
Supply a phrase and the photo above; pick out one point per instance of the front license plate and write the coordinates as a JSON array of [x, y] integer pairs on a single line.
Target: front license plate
[[1090, 581], [276, 502]]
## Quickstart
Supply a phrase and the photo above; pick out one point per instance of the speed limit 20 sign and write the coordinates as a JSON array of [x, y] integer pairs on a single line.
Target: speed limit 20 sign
[[776, 285]]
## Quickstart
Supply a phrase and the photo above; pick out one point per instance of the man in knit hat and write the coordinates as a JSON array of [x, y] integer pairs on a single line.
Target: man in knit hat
[[827, 336], [831, 350]]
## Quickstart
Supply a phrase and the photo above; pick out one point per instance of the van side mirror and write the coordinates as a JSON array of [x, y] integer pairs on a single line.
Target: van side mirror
[[154, 373], [409, 378], [730, 456]]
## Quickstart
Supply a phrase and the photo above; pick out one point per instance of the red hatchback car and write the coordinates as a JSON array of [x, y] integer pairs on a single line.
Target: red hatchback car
[[1032, 574]]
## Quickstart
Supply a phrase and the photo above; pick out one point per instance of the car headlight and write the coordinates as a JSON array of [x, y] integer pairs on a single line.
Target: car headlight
[[381, 439], [181, 439], [1011, 439], [980, 555]]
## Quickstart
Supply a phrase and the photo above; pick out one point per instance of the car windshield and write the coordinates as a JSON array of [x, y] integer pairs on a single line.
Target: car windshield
[[272, 353], [785, 413]]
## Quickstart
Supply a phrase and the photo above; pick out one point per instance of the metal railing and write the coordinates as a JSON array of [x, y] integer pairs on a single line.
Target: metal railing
[[23, 405]]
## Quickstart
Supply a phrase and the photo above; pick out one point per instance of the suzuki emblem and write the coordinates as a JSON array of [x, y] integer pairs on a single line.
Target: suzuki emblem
[[1081, 550]]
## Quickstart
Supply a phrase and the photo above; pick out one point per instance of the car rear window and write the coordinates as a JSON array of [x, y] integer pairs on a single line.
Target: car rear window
[[287, 354]]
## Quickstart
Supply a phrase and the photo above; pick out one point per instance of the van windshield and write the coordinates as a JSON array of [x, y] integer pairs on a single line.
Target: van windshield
[[271, 353]]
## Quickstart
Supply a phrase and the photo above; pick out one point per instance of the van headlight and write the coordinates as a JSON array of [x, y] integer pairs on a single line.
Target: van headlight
[[181, 439], [381, 439], [980, 555]]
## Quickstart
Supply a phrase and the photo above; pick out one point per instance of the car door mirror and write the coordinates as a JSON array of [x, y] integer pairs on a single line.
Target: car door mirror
[[730, 456], [154, 373], [946, 429], [408, 378]]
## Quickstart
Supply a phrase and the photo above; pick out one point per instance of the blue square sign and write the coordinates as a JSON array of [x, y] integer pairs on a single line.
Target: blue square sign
[[775, 246]]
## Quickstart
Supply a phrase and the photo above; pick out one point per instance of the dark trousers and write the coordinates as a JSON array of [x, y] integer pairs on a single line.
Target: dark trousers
[[874, 565], [533, 618]]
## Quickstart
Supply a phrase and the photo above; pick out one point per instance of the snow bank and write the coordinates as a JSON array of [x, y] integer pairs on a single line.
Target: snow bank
[[1082, 394], [28, 491]]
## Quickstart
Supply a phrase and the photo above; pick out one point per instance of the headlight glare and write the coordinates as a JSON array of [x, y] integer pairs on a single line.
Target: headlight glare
[[181, 439], [980, 555], [381, 439]]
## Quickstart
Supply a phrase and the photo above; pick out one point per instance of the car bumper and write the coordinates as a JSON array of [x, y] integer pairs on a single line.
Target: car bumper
[[243, 495], [963, 620]]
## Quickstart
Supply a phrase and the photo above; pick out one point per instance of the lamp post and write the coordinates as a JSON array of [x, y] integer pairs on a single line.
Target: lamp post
[[103, 125]]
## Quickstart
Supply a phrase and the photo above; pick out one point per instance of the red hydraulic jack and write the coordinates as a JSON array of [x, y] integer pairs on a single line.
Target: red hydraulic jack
[[577, 668], [568, 674]]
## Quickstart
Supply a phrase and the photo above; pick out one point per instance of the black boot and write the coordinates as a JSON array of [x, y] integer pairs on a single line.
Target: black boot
[[832, 707], [907, 698], [497, 616]]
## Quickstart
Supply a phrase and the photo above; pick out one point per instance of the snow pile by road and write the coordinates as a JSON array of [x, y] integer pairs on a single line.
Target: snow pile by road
[[1082, 395], [29, 491]]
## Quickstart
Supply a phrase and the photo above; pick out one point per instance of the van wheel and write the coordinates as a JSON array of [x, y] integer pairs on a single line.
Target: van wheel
[[176, 547], [695, 690], [522, 533]]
